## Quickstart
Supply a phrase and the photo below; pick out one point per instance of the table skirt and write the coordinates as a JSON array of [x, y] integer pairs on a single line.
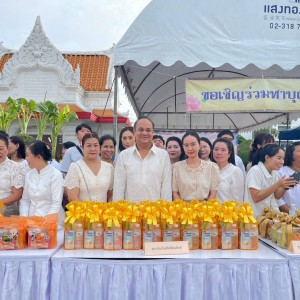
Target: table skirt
[[174, 279]]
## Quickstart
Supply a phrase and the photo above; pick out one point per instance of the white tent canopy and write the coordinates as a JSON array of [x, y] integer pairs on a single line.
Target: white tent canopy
[[175, 40]]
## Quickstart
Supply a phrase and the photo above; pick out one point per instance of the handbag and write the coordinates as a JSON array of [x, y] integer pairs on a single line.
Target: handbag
[[87, 188]]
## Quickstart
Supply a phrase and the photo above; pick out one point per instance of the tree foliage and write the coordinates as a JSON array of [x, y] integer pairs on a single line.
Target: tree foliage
[[45, 114], [272, 131], [243, 151], [9, 114], [59, 118]]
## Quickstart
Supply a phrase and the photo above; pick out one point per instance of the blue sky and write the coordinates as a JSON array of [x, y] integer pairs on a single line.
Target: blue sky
[[72, 25]]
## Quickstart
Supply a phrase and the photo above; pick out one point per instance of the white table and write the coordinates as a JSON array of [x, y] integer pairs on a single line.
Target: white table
[[216, 274], [25, 274], [294, 264]]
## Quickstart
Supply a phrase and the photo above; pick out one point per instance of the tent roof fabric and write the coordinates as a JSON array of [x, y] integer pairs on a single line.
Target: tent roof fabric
[[175, 40], [291, 134], [215, 32]]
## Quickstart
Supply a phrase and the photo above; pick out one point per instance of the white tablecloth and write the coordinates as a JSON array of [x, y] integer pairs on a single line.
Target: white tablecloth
[[25, 274], [294, 264], [84, 274]]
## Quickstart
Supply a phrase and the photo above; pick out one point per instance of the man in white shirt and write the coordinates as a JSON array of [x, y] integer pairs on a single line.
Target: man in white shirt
[[74, 154], [227, 134], [143, 172]]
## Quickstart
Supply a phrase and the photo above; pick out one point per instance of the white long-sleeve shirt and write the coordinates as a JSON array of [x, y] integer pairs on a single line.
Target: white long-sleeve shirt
[[137, 179], [43, 192], [231, 184]]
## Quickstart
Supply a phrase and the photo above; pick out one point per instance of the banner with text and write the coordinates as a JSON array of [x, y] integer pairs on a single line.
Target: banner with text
[[243, 95]]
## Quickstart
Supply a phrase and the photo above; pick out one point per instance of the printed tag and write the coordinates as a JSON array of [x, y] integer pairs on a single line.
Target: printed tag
[[294, 247], [167, 248]]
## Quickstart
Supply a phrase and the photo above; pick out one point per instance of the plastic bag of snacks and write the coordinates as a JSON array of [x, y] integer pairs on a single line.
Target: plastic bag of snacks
[[288, 231], [12, 233], [42, 232], [266, 221]]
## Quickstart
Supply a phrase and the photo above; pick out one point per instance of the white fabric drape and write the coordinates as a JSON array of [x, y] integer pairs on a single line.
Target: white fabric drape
[[295, 275], [170, 279], [25, 278]]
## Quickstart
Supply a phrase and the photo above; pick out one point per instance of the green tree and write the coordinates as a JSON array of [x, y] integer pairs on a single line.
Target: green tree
[[26, 111], [243, 151], [59, 118], [272, 131], [42, 116], [241, 139], [8, 115]]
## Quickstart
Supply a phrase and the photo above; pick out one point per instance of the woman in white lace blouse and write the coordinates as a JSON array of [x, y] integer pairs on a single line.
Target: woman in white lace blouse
[[194, 178], [90, 178], [11, 179]]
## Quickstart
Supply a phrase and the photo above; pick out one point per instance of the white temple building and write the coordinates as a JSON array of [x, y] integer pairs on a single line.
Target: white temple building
[[38, 71]]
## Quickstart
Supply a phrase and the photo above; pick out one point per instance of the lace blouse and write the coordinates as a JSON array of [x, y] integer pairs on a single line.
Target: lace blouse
[[196, 183], [95, 186], [11, 175]]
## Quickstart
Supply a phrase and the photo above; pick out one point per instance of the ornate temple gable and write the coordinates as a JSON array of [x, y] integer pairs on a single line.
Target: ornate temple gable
[[38, 53]]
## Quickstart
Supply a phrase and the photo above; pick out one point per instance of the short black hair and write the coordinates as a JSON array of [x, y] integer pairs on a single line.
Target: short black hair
[[157, 136], [4, 138], [83, 125], [68, 145], [143, 118], [225, 132], [192, 133], [269, 149], [289, 153], [40, 148], [107, 137], [21, 152], [3, 132], [90, 135]]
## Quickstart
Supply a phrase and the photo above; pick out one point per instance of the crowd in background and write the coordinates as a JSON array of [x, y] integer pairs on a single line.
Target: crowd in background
[[146, 167]]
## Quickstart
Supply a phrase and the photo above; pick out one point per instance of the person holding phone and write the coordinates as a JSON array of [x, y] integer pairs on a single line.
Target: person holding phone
[[291, 169], [263, 188]]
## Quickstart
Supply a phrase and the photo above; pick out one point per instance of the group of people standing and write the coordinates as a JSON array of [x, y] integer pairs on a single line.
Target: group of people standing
[[146, 168]]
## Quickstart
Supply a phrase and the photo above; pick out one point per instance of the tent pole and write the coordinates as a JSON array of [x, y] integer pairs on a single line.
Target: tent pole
[[115, 125], [167, 117], [175, 94]]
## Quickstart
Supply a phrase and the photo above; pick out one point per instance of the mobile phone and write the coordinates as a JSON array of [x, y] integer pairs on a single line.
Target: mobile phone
[[296, 176]]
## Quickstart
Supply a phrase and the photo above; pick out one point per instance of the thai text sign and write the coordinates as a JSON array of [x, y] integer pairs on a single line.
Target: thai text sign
[[274, 95], [165, 248]]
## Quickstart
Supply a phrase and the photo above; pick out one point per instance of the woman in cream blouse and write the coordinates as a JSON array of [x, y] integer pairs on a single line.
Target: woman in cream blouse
[[90, 178], [194, 178]]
